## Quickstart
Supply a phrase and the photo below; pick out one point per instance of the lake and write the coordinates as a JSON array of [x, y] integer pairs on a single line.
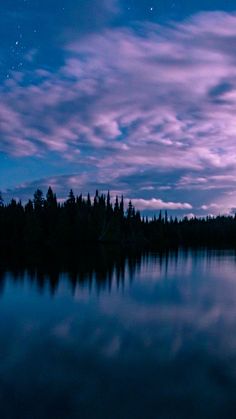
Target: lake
[[148, 336]]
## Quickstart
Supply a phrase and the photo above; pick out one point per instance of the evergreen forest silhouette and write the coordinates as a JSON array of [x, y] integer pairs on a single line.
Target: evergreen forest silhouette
[[44, 223]]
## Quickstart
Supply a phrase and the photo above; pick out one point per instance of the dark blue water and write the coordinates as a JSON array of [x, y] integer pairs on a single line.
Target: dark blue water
[[153, 338]]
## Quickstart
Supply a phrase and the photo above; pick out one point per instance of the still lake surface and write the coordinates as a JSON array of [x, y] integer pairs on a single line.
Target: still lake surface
[[152, 336]]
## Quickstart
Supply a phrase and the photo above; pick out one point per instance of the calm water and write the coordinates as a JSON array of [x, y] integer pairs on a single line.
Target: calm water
[[149, 337]]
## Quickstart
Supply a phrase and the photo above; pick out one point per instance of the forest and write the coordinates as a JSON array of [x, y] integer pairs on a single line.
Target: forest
[[45, 223]]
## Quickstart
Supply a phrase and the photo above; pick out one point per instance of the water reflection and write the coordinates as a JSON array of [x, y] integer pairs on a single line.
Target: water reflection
[[112, 268], [116, 336]]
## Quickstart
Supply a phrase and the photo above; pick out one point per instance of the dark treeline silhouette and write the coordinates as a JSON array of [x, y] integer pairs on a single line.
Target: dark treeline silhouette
[[44, 223]]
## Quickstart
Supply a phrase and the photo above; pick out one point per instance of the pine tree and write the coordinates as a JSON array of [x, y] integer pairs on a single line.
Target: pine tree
[[130, 210], [116, 207], [71, 198], [51, 199], [29, 208], [38, 200], [1, 200], [89, 204], [122, 206]]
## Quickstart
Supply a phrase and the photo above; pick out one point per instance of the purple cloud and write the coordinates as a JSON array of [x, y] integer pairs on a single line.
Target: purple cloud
[[158, 204], [153, 98]]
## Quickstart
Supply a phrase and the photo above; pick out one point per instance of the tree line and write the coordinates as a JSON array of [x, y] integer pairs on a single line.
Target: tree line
[[43, 222]]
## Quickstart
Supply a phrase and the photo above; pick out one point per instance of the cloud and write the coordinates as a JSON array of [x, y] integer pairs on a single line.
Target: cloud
[[211, 206], [153, 98], [158, 204], [207, 182], [190, 215]]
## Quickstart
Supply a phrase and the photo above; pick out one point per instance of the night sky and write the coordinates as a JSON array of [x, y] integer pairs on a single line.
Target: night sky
[[134, 96]]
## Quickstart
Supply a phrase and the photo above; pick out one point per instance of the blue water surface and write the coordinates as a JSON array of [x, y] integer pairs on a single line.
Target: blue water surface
[[153, 338]]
